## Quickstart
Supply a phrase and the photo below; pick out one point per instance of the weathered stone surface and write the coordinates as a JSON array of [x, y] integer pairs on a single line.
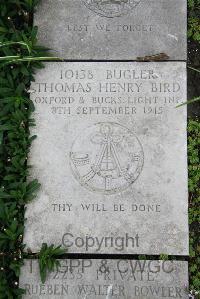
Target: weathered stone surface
[[106, 279], [119, 30], [111, 157]]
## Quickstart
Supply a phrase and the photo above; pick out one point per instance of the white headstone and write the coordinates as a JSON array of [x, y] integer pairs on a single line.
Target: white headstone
[[111, 157], [106, 279], [113, 29]]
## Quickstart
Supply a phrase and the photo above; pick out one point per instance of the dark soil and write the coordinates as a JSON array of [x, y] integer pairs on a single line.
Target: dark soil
[[193, 78]]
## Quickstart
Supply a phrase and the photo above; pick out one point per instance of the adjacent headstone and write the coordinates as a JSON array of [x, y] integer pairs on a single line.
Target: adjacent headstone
[[115, 30], [111, 158], [106, 279]]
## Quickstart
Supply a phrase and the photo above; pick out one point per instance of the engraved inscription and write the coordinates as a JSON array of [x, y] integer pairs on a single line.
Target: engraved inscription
[[110, 160], [111, 8], [111, 152], [107, 279]]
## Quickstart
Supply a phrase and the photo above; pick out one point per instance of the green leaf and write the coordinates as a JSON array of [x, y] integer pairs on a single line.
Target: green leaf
[[189, 102], [47, 259]]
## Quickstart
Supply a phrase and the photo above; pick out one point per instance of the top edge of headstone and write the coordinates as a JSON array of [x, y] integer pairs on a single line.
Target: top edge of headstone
[[113, 30], [103, 279]]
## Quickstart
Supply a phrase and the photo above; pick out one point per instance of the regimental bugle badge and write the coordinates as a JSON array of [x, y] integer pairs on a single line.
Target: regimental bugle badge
[[110, 160]]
